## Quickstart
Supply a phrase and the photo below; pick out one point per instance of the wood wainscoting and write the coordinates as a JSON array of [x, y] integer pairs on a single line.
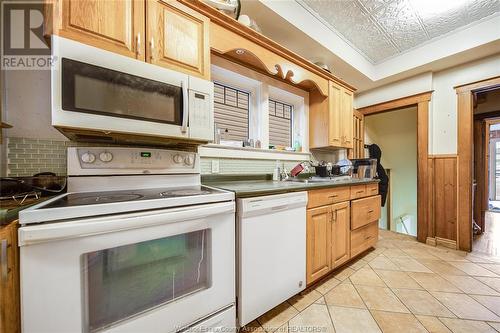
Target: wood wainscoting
[[443, 196]]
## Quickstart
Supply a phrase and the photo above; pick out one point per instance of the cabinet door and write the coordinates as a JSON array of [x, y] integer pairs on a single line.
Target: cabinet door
[[346, 117], [9, 280], [340, 233], [334, 119], [318, 242], [178, 38], [116, 26]]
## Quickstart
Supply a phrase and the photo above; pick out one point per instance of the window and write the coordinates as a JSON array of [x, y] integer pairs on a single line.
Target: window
[[280, 123], [231, 112]]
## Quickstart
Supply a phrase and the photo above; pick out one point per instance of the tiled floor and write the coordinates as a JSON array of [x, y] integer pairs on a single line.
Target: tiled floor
[[489, 241], [401, 286]]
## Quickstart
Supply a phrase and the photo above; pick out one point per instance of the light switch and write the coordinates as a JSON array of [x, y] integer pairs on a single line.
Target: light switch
[[215, 166]]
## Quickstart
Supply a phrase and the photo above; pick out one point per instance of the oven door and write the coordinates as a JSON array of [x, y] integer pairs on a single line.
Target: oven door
[[137, 272], [93, 89]]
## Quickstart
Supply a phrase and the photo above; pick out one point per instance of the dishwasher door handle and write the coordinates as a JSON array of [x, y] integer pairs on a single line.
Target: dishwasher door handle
[[277, 208]]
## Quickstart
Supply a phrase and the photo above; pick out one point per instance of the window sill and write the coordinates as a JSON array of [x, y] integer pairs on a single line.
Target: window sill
[[220, 151]]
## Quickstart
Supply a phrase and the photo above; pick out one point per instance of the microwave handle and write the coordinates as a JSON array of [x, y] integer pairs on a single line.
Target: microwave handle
[[184, 107]]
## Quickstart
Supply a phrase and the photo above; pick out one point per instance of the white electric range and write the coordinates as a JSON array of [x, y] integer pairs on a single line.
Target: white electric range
[[136, 245]]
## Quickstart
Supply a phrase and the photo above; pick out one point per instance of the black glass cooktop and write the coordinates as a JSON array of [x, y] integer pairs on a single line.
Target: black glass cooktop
[[106, 197]]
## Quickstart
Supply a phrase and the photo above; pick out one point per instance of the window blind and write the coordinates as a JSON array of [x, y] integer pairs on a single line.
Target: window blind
[[280, 123], [231, 108]]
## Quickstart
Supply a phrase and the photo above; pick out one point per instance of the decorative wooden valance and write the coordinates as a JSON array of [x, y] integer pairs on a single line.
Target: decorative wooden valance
[[231, 39]]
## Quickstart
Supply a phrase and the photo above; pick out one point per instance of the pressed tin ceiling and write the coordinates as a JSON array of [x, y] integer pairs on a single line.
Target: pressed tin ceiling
[[381, 29]]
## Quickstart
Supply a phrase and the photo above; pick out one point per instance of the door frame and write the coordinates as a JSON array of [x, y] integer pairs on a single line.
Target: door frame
[[421, 101], [465, 113]]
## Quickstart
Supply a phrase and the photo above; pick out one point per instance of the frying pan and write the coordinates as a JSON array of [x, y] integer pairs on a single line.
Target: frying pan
[[46, 182]]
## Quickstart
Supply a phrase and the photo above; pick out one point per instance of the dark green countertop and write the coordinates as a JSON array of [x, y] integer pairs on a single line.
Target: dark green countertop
[[263, 186], [10, 211]]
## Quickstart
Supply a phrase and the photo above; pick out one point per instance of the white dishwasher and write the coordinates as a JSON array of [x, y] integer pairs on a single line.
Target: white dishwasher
[[271, 234]]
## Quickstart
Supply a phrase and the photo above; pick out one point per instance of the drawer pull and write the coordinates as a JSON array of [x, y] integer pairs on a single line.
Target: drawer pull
[[333, 196], [3, 260], [360, 191], [370, 211], [368, 237]]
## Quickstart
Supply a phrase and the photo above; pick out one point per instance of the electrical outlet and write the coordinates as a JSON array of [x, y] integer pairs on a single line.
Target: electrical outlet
[[215, 166]]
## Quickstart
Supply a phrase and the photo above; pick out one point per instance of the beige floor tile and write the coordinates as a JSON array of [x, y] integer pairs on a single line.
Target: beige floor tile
[[465, 307], [358, 264], [470, 285], [344, 295], [395, 253], [382, 262], [304, 299], [422, 303], [252, 327], [449, 255], [320, 300], [379, 298], [490, 282], [433, 282], [419, 253], [327, 285], [343, 273], [366, 276], [351, 320], [372, 255], [472, 269], [410, 265], [491, 302], [391, 322], [313, 319], [495, 326], [277, 317], [398, 279], [433, 324], [441, 267], [467, 326], [495, 268]]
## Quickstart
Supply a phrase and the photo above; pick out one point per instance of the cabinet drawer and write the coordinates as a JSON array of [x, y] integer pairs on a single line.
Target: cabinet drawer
[[364, 238], [358, 191], [328, 196], [364, 211], [372, 189]]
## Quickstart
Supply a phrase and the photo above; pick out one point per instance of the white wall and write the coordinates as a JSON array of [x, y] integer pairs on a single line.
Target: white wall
[[443, 108]]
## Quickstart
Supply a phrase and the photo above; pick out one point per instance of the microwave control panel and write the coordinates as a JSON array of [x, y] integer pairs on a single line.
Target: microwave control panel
[[119, 160]]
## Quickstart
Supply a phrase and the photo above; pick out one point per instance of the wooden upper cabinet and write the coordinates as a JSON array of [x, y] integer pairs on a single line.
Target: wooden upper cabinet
[[178, 38], [341, 234], [318, 243], [116, 26], [330, 118]]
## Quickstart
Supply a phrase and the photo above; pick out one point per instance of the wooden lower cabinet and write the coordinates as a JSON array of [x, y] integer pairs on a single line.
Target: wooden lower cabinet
[[318, 242], [9, 280], [338, 231], [340, 234]]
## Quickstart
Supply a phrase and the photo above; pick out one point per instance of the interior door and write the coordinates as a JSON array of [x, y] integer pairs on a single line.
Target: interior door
[[318, 251], [116, 26], [178, 38], [341, 235]]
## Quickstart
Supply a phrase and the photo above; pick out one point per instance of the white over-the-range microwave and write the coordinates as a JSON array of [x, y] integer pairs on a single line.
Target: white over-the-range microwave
[[106, 94]]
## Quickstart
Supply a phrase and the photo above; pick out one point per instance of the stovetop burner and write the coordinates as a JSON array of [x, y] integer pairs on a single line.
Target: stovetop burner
[[101, 199], [183, 192]]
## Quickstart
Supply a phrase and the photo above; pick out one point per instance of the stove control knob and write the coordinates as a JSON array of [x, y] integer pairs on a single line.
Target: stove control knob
[[106, 156], [178, 158], [88, 157], [189, 160]]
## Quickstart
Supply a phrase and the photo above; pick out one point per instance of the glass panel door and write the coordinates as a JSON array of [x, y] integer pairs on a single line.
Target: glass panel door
[[92, 89], [125, 281]]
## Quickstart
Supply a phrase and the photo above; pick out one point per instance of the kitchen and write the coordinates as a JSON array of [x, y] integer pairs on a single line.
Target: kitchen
[[177, 169]]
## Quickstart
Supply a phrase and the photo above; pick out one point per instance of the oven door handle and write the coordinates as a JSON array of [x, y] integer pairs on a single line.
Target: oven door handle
[[33, 234], [185, 104]]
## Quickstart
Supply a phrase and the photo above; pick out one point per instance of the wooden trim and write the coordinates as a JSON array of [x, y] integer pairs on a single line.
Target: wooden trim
[[442, 155], [431, 241], [234, 26], [446, 243], [421, 101], [487, 84], [465, 142], [397, 103]]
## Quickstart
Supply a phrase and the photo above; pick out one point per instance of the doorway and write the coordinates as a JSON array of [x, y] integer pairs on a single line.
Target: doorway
[[395, 132], [486, 172]]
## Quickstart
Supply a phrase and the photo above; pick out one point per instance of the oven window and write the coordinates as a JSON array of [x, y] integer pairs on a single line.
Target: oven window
[[125, 281], [92, 89]]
